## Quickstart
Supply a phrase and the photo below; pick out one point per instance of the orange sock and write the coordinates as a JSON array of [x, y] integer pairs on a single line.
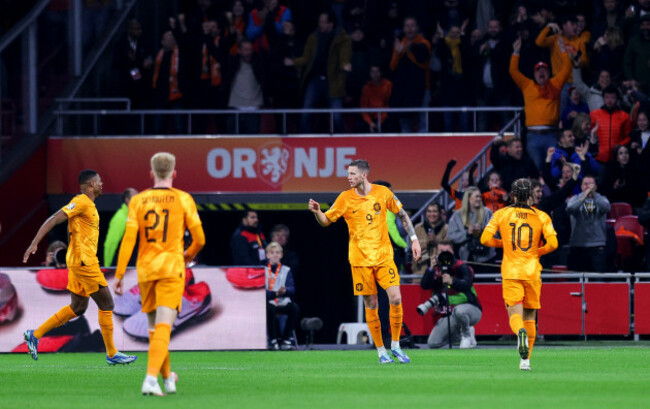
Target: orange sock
[[62, 316], [396, 316], [532, 333], [516, 323], [165, 370], [158, 348], [106, 327], [374, 325]]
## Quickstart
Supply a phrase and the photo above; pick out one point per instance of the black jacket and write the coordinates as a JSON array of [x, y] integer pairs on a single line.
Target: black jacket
[[462, 281], [511, 169], [245, 246]]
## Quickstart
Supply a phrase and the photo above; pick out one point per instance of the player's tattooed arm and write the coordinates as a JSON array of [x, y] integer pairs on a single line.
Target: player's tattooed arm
[[406, 222], [408, 225]]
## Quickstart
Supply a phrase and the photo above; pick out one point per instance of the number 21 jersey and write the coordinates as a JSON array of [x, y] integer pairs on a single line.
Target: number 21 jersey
[[161, 216]]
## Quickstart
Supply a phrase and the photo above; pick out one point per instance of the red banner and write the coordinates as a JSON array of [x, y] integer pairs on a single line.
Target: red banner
[[260, 164]]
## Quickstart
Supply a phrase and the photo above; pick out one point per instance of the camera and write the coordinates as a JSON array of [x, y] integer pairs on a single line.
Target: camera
[[434, 301], [445, 259], [59, 257]]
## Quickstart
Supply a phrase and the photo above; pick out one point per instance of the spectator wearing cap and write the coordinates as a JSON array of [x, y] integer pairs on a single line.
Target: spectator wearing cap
[[636, 63], [541, 103], [575, 106], [613, 125]]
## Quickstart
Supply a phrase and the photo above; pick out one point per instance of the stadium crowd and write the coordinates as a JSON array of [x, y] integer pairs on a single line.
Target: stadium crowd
[[580, 69], [247, 54]]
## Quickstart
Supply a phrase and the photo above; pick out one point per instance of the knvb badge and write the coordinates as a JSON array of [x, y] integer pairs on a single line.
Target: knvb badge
[[274, 163]]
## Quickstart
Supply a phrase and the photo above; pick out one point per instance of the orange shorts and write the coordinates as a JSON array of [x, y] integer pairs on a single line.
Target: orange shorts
[[365, 278], [523, 291], [166, 292], [85, 280]]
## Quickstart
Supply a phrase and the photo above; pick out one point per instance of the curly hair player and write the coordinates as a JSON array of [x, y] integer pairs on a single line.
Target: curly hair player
[[521, 228]]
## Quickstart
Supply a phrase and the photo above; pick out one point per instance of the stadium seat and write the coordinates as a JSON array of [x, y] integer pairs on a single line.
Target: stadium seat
[[354, 332], [629, 226], [629, 239], [619, 209]]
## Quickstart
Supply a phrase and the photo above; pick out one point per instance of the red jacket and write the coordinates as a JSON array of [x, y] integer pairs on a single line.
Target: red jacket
[[376, 96], [613, 129]]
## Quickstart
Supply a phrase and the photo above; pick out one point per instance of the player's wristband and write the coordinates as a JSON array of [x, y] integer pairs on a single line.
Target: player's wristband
[[414, 237]]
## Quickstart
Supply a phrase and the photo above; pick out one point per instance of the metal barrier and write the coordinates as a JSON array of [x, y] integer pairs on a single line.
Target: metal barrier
[[189, 115], [572, 304], [482, 158]]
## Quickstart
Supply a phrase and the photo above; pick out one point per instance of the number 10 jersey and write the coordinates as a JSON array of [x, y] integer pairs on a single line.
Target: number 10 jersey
[[161, 216], [521, 230]]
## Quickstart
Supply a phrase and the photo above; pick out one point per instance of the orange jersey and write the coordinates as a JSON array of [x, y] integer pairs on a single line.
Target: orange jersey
[[83, 232], [521, 231], [366, 218], [161, 216]]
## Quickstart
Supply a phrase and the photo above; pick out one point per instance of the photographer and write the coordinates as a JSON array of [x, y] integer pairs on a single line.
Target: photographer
[[452, 280], [55, 254]]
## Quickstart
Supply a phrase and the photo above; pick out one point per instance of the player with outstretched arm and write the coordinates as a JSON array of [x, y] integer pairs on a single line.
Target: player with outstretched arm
[[364, 208]]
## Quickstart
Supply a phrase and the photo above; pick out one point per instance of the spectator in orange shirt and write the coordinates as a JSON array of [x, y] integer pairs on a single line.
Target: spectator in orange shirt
[[541, 103], [493, 194], [375, 94]]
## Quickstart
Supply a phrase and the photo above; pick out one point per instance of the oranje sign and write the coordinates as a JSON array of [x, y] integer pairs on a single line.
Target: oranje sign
[[260, 164]]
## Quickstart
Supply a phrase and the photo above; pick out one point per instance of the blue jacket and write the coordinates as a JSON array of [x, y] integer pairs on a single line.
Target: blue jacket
[[589, 167], [582, 107]]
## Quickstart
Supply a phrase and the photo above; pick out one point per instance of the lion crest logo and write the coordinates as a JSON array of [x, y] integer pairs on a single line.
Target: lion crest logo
[[274, 163]]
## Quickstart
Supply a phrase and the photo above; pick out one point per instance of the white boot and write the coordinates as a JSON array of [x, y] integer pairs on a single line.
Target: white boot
[[170, 383], [150, 386]]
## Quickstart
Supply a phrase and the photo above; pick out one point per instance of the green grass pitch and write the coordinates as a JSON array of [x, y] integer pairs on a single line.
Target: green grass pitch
[[577, 377]]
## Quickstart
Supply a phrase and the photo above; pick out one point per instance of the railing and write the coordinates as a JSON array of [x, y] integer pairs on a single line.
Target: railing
[[575, 303], [39, 65], [65, 116], [442, 197]]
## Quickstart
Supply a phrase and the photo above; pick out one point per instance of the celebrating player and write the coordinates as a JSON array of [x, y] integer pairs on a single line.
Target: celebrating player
[[160, 216], [364, 208], [85, 279], [521, 228]]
